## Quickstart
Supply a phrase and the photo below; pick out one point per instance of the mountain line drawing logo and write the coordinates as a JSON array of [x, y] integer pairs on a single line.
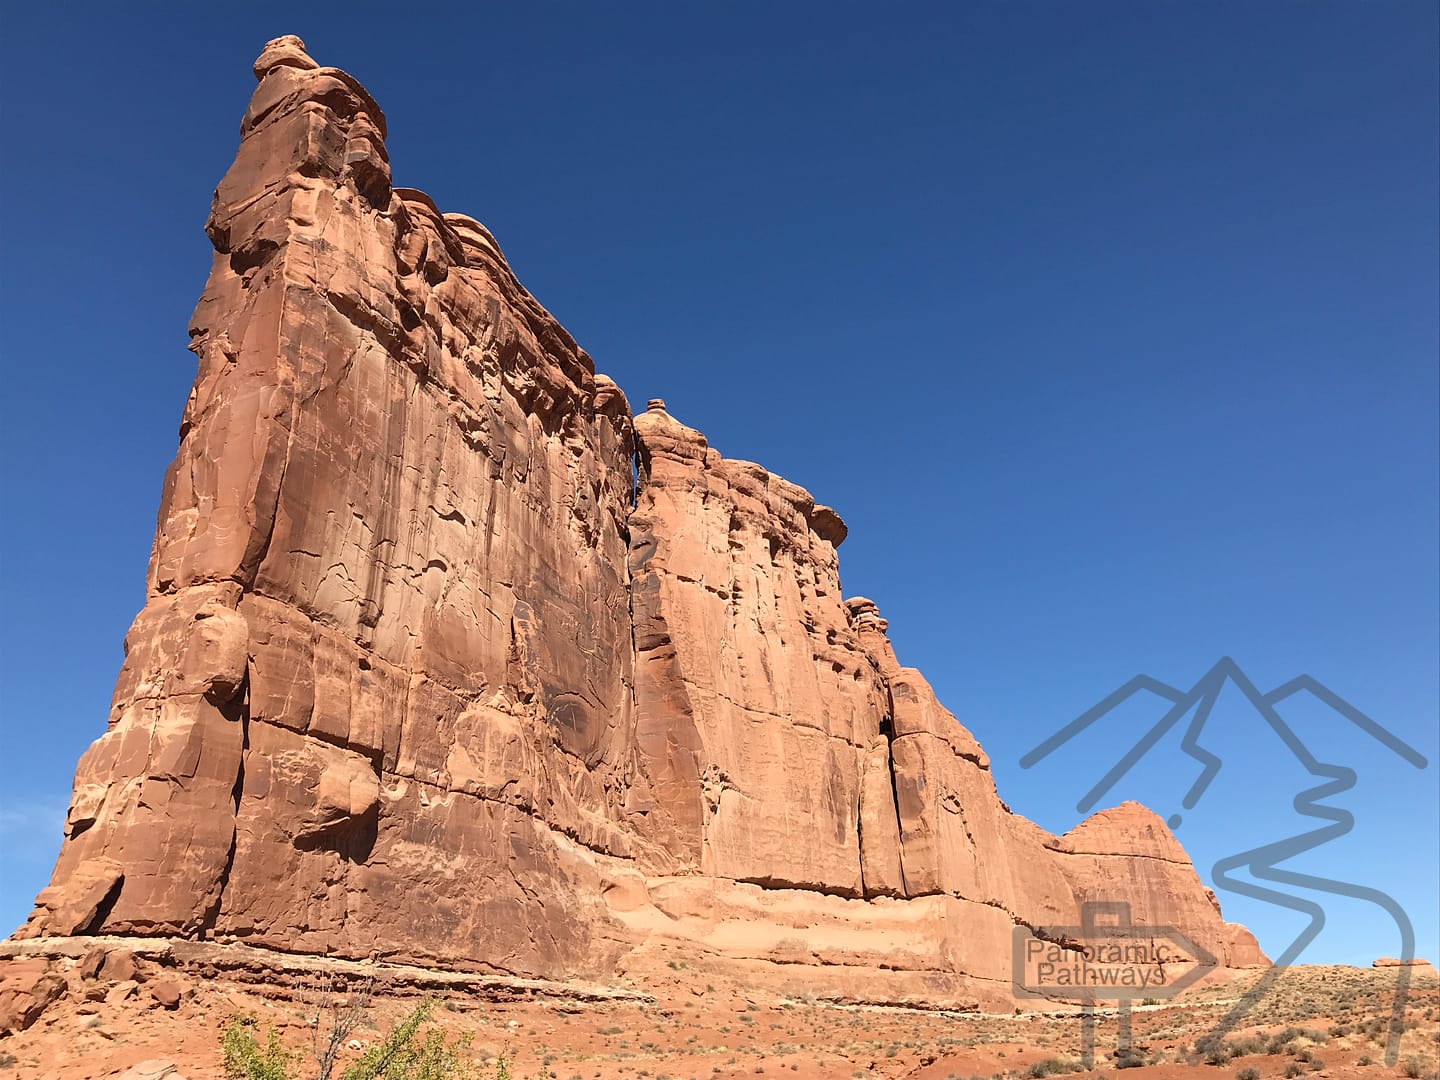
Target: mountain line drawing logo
[[1256, 872]]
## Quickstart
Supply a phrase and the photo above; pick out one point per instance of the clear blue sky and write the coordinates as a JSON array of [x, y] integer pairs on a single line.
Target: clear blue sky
[[1111, 329]]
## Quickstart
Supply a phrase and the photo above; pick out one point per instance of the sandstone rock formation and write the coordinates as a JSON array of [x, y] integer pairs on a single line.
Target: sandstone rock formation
[[1418, 962], [425, 672]]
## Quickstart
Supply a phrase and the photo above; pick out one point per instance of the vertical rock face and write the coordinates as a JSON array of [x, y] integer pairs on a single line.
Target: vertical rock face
[[751, 681], [423, 673], [387, 644]]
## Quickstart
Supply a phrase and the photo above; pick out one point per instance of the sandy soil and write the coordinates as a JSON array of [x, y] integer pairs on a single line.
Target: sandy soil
[[682, 1025]]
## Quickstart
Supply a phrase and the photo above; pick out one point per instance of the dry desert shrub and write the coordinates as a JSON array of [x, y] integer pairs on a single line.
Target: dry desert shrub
[[335, 1018], [1052, 1067]]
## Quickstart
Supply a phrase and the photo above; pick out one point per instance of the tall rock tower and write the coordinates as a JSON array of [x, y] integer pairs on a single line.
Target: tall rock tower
[[425, 672]]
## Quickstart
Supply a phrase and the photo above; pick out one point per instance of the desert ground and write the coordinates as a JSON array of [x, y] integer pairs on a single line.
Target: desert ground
[[119, 1011]]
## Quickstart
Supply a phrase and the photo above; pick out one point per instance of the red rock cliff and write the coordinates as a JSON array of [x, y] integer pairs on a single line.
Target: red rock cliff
[[420, 675]]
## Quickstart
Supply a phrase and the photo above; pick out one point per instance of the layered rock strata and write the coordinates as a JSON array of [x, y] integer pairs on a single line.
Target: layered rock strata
[[448, 658]]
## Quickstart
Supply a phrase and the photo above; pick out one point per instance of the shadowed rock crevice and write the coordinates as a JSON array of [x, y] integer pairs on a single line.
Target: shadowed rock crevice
[[239, 712], [103, 907]]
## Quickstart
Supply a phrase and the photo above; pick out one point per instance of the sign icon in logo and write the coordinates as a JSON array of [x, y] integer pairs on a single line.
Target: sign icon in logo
[[1107, 958]]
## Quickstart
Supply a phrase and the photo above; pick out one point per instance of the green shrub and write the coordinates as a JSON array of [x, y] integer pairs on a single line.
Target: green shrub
[[407, 1053], [246, 1059]]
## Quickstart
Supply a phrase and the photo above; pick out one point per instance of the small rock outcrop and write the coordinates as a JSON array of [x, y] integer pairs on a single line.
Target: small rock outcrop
[[448, 658], [1417, 962]]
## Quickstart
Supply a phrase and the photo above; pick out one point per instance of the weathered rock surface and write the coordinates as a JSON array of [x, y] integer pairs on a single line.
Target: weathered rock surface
[[27, 989], [424, 673], [154, 1069]]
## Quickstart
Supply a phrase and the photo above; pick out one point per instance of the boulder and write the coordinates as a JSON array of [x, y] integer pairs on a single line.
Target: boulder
[[167, 993], [27, 989]]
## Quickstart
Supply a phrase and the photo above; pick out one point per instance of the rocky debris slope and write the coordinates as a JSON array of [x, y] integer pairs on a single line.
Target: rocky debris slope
[[424, 673]]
